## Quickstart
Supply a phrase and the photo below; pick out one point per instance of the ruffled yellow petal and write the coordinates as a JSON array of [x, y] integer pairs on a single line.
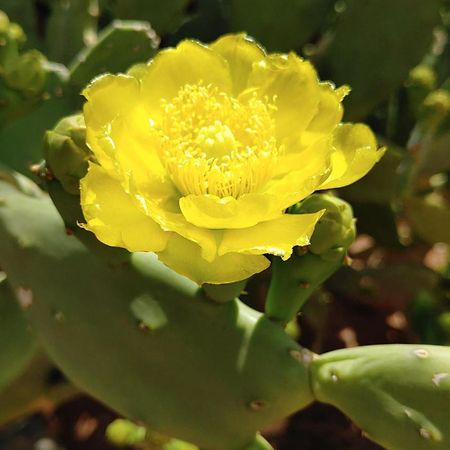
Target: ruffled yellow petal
[[184, 256], [189, 63], [136, 147], [313, 158], [113, 217], [241, 52], [107, 97], [292, 85], [296, 186], [356, 153], [213, 212], [329, 113], [165, 211], [210, 211], [276, 237], [119, 132]]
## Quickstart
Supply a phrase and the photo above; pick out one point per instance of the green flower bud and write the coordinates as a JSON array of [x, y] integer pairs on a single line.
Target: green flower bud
[[11, 38], [422, 76], [335, 230], [122, 433], [66, 152], [434, 110], [28, 73], [294, 280]]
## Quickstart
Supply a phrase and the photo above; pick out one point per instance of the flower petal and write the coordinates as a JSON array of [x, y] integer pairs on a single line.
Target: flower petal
[[296, 185], [329, 113], [293, 86], [114, 218], [119, 132], [136, 146], [166, 212], [313, 158], [241, 52], [184, 257], [213, 212], [276, 237], [189, 63], [356, 153], [210, 211], [107, 97]]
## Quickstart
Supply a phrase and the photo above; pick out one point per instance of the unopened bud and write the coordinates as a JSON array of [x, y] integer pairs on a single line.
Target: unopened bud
[[422, 76], [335, 230], [11, 38], [28, 73], [66, 152], [438, 102]]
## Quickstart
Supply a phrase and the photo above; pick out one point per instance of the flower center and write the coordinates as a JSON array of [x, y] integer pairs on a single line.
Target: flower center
[[212, 143]]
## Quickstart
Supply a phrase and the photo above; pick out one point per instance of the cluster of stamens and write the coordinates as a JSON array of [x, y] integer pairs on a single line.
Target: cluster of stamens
[[213, 143]]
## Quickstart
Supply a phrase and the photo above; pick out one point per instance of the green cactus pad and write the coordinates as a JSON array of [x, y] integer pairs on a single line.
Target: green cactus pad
[[17, 343], [208, 373], [120, 45], [398, 394]]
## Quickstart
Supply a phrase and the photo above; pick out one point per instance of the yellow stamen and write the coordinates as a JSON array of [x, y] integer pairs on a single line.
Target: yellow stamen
[[212, 143]]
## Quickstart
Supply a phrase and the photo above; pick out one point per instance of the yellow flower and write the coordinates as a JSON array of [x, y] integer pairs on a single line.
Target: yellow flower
[[202, 150]]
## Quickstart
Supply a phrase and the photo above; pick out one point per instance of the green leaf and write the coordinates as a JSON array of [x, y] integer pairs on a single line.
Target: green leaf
[[120, 45], [374, 45], [380, 185], [279, 26], [17, 344], [429, 217], [21, 141], [435, 155], [25, 14], [74, 18], [164, 16]]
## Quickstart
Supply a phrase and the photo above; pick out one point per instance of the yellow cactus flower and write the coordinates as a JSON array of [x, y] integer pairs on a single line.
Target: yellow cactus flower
[[200, 152]]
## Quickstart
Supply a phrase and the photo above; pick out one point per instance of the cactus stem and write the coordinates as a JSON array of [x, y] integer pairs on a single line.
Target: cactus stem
[[24, 297]]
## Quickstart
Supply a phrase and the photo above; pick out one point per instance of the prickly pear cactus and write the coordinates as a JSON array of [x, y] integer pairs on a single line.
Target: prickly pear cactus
[[178, 355], [17, 343], [398, 394], [183, 176]]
